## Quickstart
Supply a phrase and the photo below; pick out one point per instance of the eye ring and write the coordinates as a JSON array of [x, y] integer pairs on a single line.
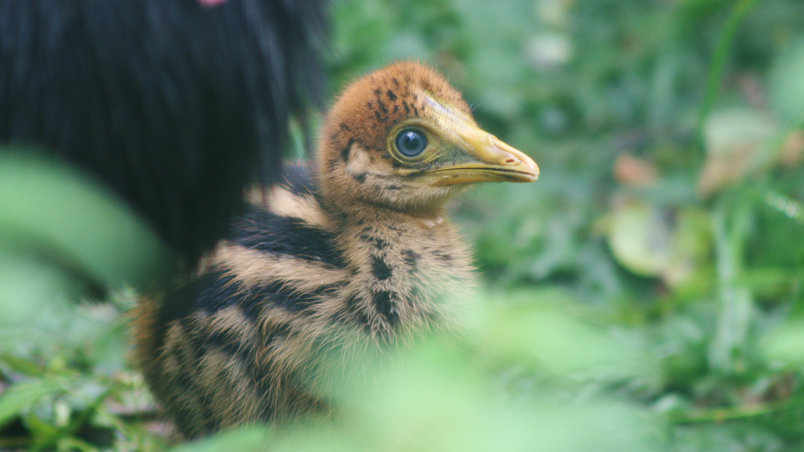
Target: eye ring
[[411, 142]]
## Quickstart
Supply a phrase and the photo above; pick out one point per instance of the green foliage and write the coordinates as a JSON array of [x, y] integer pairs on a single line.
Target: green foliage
[[61, 226], [644, 294], [66, 384], [440, 398]]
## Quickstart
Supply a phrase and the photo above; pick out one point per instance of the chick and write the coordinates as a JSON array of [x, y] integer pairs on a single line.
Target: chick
[[351, 253]]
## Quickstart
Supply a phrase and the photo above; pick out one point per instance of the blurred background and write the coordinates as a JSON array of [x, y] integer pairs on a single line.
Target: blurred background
[[644, 294]]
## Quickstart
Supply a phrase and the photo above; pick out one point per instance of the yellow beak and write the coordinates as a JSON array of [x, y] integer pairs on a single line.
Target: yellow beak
[[486, 159]]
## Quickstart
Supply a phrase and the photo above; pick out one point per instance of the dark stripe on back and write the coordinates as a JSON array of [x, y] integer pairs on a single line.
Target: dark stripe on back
[[235, 346], [215, 291], [221, 292], [186, 382], [285, 236]]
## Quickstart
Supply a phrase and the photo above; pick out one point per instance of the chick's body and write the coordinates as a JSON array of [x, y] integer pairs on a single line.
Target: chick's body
[[352, 255]]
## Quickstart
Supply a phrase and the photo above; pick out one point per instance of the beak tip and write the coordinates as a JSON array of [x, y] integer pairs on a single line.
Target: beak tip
[[531, 169], [536, 171]]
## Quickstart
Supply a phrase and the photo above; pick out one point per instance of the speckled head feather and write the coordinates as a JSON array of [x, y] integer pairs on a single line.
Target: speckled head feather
[[360, 161]]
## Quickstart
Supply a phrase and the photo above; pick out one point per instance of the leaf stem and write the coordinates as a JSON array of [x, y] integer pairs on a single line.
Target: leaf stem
[[739, 412], [719, 64]]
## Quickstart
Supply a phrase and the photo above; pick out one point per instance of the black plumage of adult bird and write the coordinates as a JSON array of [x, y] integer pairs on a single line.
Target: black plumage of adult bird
[[174, 105]]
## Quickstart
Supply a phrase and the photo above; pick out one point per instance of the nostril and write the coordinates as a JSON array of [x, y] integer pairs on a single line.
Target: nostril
[[510, 161]]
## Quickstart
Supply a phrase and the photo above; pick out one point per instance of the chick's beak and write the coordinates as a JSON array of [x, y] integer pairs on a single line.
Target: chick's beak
[[487, 159]]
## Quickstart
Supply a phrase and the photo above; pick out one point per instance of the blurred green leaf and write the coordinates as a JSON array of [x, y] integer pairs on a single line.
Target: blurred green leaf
[[243, 439], [786, 343], [25, 394], [660, 242], [640, 236], [28, 285], [540, 335], [786, 85], [435, 399], [52, 213], [736, 140]]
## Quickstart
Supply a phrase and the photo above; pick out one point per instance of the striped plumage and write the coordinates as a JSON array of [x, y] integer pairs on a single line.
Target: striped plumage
[[352, 254]]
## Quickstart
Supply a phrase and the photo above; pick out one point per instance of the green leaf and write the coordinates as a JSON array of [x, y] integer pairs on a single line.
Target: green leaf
[[27, 286], [640, 239], [540, 335], [52, 213], [786, 343], [739, 142], [22, 365], [244, 439], [25, 394], [787, 85]]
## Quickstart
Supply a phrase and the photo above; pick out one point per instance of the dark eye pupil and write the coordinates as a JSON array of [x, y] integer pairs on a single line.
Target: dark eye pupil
[[411, 143]]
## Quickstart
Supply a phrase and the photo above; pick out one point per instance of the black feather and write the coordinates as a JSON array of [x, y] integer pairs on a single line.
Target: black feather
[[173, 105], [286, 236]]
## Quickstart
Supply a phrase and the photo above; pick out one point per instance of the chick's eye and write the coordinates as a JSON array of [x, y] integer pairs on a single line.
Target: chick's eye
[[411, 142]]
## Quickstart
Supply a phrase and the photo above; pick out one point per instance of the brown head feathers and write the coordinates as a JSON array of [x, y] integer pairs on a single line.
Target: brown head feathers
[[403, 138]]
